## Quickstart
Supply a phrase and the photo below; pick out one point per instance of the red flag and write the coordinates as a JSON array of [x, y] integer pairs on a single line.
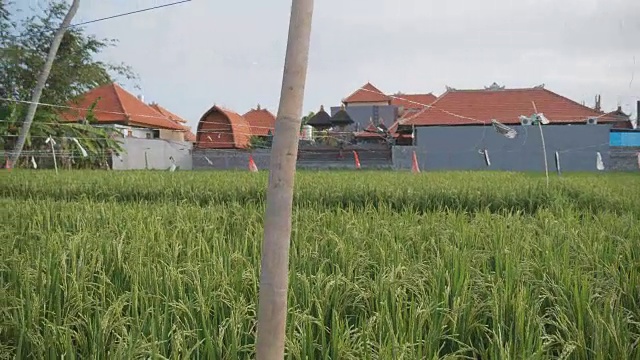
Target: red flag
[[357, 159], [414, 164], [252, 164]]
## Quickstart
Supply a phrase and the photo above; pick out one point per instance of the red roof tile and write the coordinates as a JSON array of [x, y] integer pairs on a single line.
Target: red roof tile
[[504, 105], [189, 136], [116, 105], [371, 131], [365, 94], [168, 114], [222, 128], [412, 101], [260, 121]]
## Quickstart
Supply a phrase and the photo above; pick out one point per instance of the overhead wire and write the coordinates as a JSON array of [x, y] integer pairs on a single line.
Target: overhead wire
[[127, 13], [416, 112]]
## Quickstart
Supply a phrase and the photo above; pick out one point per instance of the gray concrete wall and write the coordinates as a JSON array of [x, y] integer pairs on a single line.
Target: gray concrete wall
[[157, 151], [456, 148], [362, 115], [624, 159], [209, 159]]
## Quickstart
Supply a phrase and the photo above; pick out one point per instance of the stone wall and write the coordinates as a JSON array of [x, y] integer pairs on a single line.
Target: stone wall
[[624, 159]]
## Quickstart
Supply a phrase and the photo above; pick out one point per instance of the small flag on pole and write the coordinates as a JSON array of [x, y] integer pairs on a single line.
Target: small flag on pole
[[504, 130], [356, 159], [543, 119], [599, 162], [52, 142], [414, 163], [252, 164], [82, 150]]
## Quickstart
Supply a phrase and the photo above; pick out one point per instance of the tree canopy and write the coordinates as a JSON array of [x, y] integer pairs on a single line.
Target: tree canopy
[[24, 44]]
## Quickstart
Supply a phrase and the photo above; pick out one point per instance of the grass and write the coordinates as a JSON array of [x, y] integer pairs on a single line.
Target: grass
[[383, 265]]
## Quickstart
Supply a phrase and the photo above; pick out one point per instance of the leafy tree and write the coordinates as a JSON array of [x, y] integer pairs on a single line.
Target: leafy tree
[[24, 45], [259, 142], [306, 118]]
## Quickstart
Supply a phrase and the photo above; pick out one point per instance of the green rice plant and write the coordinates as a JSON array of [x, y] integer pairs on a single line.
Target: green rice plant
[[383, 265]]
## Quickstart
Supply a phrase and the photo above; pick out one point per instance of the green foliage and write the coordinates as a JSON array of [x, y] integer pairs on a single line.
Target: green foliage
[[306, 118], [75, 69], [5, 22], [25, 44], [383, 265], [260, 142]]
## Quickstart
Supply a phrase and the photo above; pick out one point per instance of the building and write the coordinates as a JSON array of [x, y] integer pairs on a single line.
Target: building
[[368, 106], [261, 121], [189, 136], [220, 128], [380, 134], [116, 107], [455, 132], [321, 120]]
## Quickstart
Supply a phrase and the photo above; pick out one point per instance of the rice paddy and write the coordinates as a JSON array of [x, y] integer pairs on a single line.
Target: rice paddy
[[384, 265]]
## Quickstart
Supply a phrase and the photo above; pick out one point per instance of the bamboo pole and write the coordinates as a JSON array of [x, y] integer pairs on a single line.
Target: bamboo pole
[[272, 302]]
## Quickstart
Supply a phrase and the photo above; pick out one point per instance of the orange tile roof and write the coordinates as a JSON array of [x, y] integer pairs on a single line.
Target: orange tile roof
[[260, 121], [116, 105], [412, 101], [365, 94], [168, 114], [189, 136], [371, 131], [240, 129], [504, 105]]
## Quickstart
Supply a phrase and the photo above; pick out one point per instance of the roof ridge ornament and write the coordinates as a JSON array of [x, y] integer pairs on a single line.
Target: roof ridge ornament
[[494, 87]]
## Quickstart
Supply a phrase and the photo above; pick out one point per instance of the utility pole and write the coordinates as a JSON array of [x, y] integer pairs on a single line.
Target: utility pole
[[42, 80], [274, 269]]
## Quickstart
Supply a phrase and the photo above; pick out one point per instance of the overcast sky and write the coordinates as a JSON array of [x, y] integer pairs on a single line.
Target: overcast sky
[[231, 53]]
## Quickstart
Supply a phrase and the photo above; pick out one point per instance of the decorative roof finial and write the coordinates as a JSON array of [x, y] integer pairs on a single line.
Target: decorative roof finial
[[321, 107], [494, 87], [258, 108]]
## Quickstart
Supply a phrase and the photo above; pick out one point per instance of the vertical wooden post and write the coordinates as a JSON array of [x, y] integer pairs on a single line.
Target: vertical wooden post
[[274, 281]]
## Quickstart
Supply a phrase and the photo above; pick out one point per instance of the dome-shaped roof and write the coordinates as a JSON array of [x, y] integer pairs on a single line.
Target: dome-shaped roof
[[240, 130], [261, 121]]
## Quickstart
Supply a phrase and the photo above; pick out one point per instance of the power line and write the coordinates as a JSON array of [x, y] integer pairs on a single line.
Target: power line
[[128, 13]]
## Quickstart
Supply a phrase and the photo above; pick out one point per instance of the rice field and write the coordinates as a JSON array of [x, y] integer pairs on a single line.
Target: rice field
[[384, 265]]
